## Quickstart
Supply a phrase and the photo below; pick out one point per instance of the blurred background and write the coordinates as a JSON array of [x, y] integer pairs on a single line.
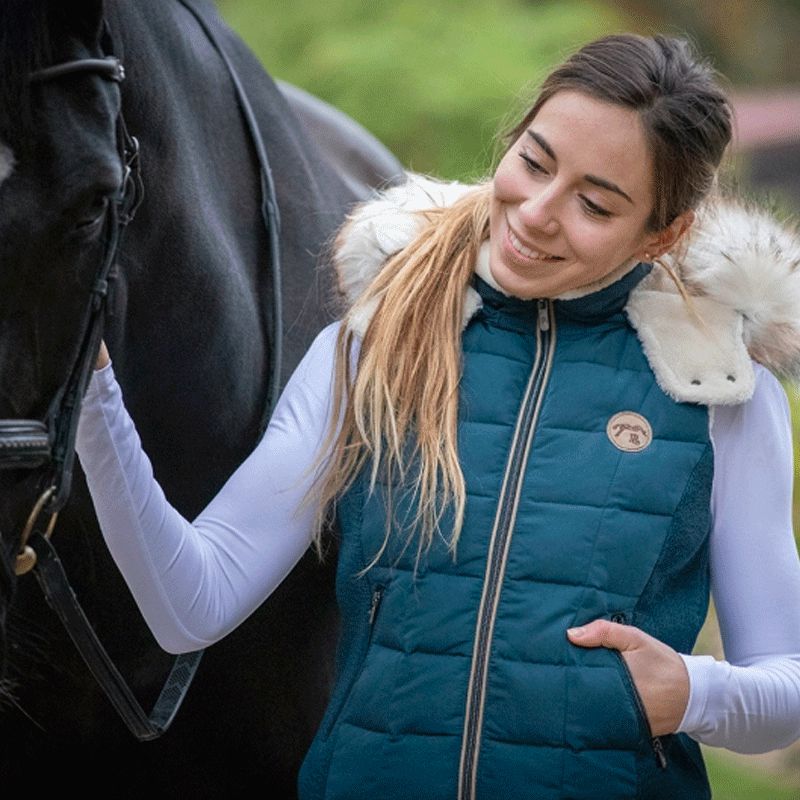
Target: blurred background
[[437, 81]]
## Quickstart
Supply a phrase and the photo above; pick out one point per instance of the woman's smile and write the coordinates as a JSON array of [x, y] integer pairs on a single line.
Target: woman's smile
[[527, 254]]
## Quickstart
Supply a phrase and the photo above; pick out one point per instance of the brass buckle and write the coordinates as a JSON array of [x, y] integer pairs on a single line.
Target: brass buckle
[[26, 557]]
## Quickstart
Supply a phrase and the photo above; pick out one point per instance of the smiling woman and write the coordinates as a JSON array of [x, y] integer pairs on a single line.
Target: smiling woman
[[541, 463]]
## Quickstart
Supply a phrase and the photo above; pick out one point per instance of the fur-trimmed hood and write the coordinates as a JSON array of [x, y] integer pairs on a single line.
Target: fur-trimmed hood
[[740, 266]]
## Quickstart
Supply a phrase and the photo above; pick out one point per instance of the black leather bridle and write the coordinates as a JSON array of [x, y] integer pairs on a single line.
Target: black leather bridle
[[33, 443]]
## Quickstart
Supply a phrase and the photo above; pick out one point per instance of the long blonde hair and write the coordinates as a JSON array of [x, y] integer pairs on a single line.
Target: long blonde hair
[[399, 409]]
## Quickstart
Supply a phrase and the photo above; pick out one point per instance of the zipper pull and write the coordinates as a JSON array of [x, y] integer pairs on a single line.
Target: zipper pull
[[544, 317], [659, 750], [377, 593], [655, 741]]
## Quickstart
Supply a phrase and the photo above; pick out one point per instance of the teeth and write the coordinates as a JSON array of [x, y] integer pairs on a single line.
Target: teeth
[[527, 251]]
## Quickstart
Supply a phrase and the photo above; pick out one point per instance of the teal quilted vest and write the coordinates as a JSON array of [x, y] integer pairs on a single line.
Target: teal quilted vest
[[460, 682]]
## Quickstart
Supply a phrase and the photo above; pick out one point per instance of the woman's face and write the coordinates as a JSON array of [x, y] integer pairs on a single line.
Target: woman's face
[[571, 198]]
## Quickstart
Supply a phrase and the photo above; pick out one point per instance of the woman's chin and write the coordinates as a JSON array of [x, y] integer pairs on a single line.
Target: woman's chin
[[525, 288]]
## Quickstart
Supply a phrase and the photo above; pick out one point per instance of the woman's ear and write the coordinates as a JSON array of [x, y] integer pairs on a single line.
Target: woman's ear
[[666, 239]]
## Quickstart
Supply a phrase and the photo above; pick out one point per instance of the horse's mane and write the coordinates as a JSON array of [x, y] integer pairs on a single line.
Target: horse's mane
[[25, 45]]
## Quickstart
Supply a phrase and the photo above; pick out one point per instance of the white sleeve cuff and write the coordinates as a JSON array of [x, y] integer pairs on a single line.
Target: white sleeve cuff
[[702, 670], [753, 708]]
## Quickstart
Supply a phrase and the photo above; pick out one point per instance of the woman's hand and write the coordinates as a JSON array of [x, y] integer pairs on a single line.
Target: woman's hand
[[658, 671], [102, 356]]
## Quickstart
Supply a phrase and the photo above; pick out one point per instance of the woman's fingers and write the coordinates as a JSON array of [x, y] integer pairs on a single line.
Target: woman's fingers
[[658, 671]]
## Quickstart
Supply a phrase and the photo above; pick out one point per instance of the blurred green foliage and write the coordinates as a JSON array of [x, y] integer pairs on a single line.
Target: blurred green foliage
[[433, 81], [753, 42]]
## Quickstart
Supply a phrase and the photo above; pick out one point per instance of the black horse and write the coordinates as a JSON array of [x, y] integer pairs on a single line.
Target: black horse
[[191, 343]]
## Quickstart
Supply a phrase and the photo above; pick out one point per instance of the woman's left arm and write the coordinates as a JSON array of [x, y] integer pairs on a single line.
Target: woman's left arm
[[750, 702]]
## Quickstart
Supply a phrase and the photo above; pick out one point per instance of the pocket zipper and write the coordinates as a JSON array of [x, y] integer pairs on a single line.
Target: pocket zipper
[[655, 741], [374, 603]]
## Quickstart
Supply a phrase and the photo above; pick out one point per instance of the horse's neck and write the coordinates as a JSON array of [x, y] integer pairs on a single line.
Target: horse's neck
[[195, 264], [198, 159], [177, 100]]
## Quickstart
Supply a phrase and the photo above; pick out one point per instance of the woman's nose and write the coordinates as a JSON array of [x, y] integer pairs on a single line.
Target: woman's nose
[[541, 212]]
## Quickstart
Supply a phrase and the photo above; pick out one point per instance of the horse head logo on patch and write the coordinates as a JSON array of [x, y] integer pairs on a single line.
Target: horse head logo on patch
[[629, 431]]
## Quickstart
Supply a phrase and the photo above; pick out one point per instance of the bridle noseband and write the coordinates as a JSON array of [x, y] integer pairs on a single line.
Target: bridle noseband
[[33, 443]]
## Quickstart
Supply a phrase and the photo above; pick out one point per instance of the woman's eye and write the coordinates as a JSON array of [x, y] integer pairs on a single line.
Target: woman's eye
[[593, 208], [531, 164]]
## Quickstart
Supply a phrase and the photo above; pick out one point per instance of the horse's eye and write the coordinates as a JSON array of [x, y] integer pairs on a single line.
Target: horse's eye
[[93, 214]]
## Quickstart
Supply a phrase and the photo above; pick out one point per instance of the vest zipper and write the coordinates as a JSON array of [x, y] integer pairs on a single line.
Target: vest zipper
[[374, 605], [505, 517], [655, 741]]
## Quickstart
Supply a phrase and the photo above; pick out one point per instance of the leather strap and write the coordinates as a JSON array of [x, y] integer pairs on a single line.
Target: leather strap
[[269, 213], [53, 580]]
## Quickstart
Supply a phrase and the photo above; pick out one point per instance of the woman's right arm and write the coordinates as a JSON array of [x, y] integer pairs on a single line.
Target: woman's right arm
[[195, 582]]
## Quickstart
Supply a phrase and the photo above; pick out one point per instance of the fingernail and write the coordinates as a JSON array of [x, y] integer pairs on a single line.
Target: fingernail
[[576, 631]]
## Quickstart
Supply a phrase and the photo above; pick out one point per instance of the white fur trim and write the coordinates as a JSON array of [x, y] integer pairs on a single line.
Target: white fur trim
[[359, 318], [696, 362], [745, 260], [377, 229], [6, 162]]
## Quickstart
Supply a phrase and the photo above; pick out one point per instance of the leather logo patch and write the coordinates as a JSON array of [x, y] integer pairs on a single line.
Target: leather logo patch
[[629, 431]]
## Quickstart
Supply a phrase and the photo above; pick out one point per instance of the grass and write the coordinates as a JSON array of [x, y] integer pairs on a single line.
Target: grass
[[731, 779], [432, 81]]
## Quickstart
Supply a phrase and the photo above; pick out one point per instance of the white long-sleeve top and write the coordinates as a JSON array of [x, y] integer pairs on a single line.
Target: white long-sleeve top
[[196, 581]]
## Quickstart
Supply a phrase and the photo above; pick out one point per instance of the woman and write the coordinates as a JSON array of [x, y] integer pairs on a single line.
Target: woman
[[523, 427]]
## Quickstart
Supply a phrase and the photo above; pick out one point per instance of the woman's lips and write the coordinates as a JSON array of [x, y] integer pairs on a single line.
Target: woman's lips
[[525, 253]]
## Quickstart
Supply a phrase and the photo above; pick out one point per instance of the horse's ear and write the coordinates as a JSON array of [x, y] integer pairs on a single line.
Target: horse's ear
[[83, 17]]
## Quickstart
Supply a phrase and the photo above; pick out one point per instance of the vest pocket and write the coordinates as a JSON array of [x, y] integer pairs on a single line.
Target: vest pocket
[[655, 741], [339, 702]]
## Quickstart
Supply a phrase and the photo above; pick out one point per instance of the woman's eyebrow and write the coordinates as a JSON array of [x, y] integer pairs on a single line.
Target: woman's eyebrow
[[601, 182], [542, 142]]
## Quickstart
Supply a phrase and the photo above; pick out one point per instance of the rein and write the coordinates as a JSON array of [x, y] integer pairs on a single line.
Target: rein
[[32, 443]]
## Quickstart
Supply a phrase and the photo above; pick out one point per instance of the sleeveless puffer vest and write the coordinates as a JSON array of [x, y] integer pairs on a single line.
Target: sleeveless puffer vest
[[460, 681]]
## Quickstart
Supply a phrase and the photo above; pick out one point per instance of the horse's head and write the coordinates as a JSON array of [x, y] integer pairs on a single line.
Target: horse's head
[[62, 167]]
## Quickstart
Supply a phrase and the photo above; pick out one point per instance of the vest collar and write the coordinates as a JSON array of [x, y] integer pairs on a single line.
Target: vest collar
[[592, 307], [604, 302], [588, 304]]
